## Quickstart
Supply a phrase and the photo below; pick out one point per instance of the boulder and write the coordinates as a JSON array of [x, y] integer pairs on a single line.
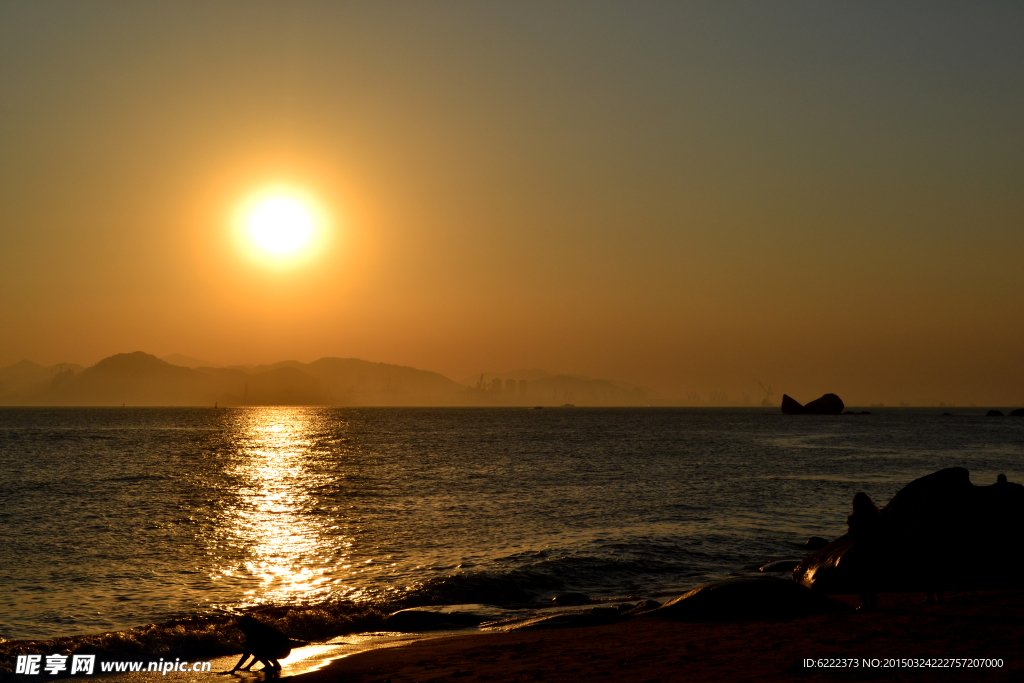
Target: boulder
[[745, 598], [571, 599], [829, 404], [779, 566], [994, 413], [815, 543], [1017, 413], [427, 619], [939, 531]]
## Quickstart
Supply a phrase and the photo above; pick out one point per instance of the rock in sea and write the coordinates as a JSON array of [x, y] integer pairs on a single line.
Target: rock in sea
[[815, 543], [939, 531], [994, 413], [829, 404], [571, 599]]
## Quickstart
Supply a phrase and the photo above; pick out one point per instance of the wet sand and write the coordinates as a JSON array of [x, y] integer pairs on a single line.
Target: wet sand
[[647, 649]]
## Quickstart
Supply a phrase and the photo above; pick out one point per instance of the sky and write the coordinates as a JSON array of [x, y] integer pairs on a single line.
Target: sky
[[689, 197]]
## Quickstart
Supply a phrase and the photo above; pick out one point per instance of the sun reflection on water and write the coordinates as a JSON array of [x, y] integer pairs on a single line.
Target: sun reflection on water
[[273, 519]]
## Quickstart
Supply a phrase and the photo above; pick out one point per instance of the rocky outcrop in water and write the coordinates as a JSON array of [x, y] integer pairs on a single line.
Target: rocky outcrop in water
[[829, 404], [1017, 413], [994, 413], [938, 532]]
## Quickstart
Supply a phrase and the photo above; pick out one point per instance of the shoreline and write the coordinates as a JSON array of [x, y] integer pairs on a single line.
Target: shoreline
[[983, 624], [970, 624]]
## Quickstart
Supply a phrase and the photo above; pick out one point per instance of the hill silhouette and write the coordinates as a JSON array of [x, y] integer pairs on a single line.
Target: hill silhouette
[[141, 379]]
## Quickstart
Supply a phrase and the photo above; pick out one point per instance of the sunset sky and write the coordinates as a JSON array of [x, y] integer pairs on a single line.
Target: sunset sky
[[686, 197]]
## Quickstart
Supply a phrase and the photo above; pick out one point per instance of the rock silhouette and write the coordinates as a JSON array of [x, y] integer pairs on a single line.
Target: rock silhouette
[[994, 413], [748, 597], [1017, 413], [829, 404], [938, 532], [779, 566], [815, 543]]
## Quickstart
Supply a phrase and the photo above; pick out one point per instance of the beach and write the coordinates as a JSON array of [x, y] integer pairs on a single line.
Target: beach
[[967, 625]]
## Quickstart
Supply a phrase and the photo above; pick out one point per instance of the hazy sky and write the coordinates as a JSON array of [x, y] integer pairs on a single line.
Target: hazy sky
[[689, 197]]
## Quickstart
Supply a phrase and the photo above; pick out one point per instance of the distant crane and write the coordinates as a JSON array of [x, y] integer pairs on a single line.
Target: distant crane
[[768, 393]]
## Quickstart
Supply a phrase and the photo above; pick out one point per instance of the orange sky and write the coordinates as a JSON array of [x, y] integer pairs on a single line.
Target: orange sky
[[688, 199]]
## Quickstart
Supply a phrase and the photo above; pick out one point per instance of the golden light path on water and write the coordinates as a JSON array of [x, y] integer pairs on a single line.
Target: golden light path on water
[[289, 549]]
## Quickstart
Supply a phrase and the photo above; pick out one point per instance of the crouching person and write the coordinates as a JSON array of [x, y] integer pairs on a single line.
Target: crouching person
[[265, 644]]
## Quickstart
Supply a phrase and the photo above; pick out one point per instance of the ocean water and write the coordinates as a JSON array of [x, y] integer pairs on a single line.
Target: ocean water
[[113, 518]]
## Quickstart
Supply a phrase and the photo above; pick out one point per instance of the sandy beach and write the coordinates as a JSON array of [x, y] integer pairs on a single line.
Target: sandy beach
[[647, 649]]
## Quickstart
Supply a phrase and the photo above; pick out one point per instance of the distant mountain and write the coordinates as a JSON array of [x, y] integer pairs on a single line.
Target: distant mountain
[[26, 378], [188, 361], [517, 375], [140, 379], [133, 379]]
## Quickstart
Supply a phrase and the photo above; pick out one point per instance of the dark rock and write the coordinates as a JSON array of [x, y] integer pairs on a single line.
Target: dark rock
[[994, 413], [816, 543], [946, 415], [829, 404], [938, 531], [791, 407], [748, 597], [416, 619], [571, 599], [1017, 413], [779, 566]]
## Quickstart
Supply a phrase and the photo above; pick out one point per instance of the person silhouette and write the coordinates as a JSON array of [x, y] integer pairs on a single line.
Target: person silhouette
[[265, 643], [865, 531]]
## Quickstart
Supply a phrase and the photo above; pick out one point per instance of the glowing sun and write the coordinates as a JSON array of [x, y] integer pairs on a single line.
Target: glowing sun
[[281, 226]]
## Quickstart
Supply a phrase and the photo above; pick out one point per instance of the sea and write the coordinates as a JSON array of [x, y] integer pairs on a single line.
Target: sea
[[114, 518]]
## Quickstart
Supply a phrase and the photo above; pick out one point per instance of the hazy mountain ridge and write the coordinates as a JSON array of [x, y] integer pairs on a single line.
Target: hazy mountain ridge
[[141, 379]]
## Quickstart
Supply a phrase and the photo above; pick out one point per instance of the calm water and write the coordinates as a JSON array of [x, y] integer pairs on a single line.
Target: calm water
[[118, 517]]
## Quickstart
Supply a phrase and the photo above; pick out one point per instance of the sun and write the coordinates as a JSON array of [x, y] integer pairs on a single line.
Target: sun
[[281, 226]]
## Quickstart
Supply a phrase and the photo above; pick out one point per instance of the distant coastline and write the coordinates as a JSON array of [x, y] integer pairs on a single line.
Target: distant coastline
[[141, 379]]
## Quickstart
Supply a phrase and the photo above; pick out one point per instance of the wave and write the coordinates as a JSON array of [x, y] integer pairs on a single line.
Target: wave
[[616, 571], [200, 637]]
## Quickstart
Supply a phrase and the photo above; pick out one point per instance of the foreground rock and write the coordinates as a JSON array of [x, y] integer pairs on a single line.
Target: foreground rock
[[829, 404], [1019, 412], [748, 597], [939, 531], [449, 617], [779, 566]]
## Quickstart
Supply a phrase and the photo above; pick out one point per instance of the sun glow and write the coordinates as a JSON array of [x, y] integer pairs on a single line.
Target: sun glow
[[281, 226]]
